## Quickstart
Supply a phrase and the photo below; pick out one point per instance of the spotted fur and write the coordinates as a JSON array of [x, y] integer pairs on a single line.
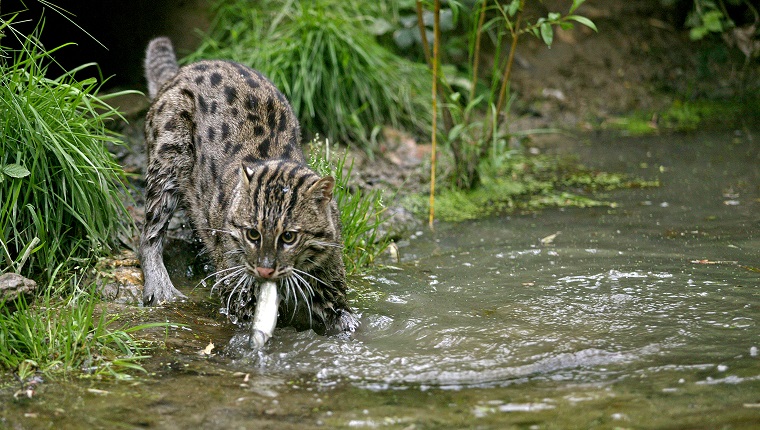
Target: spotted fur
[[223, 142]]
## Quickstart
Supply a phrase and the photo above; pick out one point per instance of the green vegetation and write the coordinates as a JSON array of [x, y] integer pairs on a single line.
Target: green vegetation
[[685, 117], [66, 336], [713, 17], [341, 82], [736, 22], [471, 137], [59, 187], [361, 213], [515, 181], [60, 208]]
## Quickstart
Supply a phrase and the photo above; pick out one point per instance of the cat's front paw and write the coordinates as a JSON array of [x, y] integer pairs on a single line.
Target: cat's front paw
[[159, 290]]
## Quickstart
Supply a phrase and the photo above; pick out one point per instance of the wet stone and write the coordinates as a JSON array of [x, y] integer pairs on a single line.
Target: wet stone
[[12, 286], [120, 279]]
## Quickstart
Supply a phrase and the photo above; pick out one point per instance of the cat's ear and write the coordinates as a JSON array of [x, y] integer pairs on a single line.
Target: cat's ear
[[323, 189], [246, 175]]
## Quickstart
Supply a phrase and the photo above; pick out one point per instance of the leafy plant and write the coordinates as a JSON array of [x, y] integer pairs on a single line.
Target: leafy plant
[[59, 187], [470, 138], [361, 213], [341, 82], [719, 17]]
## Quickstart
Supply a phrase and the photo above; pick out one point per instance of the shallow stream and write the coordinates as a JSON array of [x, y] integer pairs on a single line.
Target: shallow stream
[[645, 315]]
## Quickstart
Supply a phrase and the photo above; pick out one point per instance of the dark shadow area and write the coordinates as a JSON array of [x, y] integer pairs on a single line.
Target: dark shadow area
[[122, 28]]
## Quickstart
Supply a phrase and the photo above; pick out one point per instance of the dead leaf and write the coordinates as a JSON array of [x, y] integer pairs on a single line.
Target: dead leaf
[[207, 350], [548, 240]]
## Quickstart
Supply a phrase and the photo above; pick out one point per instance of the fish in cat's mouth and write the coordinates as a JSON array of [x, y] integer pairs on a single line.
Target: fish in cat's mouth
[[274, 286], [265, 316]]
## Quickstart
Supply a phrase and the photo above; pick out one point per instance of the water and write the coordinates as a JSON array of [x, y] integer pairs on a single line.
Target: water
[[640, 316]]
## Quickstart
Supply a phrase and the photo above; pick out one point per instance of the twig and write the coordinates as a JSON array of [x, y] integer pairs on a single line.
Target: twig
[[436, 45], [476, 54], [507, 72]]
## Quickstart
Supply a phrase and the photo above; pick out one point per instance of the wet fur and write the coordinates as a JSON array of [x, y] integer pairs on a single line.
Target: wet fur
[[223, 142]]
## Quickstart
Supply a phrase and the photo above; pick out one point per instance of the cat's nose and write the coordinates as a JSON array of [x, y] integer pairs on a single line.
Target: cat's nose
[[265, 272]]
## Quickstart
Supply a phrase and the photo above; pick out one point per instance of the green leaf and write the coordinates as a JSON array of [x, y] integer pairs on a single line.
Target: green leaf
[[712, 21], [583, 20], [697, 33], [547, 33], [576, 4], [15, 171], [554, 16], [513, 7]]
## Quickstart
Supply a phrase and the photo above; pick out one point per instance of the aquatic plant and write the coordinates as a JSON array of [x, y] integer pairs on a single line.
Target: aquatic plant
[[686, 116], [361, 212], [341, 82], [60, 188]]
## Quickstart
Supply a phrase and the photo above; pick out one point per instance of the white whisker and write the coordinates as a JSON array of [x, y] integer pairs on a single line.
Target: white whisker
[[215, 230], [311, 276], [239, 270], [300, 280], [218, 272], [288, 286], [229, 298], [333, 245]]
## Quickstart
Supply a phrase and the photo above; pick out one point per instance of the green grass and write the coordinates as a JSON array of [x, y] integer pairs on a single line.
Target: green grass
[[341, 82], [65, 336], [60, 206], [59, 187], [361, 213]]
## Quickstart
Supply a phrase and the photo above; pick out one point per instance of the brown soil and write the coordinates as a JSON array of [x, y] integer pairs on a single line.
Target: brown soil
[[640, 60]]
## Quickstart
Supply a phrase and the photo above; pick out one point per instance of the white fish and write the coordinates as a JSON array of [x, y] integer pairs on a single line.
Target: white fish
[[265, 317]]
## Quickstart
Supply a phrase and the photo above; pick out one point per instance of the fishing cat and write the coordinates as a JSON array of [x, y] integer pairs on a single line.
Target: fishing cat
[[223, 142]]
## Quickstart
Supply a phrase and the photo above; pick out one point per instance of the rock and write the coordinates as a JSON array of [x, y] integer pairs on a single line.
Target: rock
[[119, 279], [12, 286]]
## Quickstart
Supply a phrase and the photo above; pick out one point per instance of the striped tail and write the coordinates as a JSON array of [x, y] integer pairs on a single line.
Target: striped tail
[[160, 64]]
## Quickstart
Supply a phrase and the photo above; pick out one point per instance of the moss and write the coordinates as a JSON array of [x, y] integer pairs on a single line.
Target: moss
[[525, 183], [686, 116]]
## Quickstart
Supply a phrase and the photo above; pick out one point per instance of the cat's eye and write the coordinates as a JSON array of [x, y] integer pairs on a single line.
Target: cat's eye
[[288, 237], [252, 234]]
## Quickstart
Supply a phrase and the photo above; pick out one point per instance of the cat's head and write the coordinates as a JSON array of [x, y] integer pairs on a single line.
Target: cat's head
[[283, 220]]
